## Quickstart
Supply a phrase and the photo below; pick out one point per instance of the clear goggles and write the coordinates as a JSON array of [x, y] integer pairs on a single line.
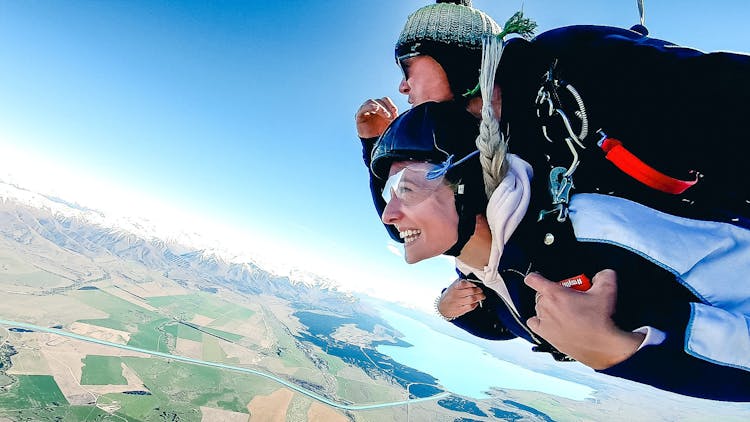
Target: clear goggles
[[411, 184], [403, 63], [418, 181]]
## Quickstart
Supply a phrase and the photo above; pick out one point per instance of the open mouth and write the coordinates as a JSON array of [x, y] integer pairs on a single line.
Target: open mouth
[[409, 235]]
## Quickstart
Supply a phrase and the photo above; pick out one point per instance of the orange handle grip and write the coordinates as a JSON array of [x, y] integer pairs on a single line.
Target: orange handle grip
[[579, 282]]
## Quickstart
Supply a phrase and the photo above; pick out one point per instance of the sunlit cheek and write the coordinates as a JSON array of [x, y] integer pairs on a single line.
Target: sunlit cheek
[[439, 91], [444, 221]]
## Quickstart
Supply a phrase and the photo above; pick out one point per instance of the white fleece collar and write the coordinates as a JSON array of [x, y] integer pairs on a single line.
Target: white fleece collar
[[505, 210]]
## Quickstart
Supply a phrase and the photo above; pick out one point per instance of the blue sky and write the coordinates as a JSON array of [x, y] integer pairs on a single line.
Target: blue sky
[[241, 113]]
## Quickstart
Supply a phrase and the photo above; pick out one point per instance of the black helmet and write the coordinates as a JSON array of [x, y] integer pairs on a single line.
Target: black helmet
[[436, 133]]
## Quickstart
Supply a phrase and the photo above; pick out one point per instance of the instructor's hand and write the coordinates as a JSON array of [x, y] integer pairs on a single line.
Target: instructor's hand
[[580, 324], [374, 116]]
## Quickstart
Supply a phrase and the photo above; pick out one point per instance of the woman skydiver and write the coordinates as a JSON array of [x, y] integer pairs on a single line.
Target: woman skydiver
[[651, 315]]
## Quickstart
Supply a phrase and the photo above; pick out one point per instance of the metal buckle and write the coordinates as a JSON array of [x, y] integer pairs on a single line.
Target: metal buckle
[[548, 95], [560, 185], [548, 105]]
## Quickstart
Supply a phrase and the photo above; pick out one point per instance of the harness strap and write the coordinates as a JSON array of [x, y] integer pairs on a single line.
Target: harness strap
[[637, 169]]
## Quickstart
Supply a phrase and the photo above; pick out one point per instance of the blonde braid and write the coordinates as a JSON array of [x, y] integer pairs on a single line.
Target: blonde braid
[[491, 142]]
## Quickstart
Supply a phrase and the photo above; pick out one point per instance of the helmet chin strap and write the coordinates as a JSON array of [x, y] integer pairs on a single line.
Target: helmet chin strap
[[466, 227], [467, 218]]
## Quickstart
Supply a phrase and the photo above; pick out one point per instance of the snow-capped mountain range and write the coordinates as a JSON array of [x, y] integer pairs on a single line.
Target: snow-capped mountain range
[[36, 222]]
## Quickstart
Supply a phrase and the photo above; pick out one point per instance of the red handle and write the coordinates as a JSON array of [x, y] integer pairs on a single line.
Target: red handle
[[579, 282], [637, 169]]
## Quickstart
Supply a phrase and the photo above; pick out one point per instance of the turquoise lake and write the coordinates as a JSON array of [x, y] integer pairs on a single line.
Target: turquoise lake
[[466, 369]]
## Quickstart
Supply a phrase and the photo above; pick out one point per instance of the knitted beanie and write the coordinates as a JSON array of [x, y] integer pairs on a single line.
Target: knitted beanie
[[451, 33]]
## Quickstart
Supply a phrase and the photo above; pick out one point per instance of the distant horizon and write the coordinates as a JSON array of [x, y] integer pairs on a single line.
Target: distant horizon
[[166, 231]]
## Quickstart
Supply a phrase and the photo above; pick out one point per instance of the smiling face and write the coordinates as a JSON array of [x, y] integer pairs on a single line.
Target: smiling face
[[424, 80], [430, 227]]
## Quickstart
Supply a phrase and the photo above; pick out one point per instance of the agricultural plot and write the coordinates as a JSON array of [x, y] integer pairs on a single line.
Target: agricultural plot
[[123, 315], [151, 330], [102, 370], [189, 348], [186, 307], [32, 391], [60, 413], [100, 333], [272, 406], [151, 336], [131, 406], [213, 352], [173, 389], [44, 310], [211, 414], [185, 332], [148, 328], [230, 316], [193, 386], [87, 413], [112, 323], [223, 334]]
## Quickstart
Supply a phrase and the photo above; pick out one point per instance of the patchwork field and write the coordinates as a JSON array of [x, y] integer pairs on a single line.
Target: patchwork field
[[102, 370], [80, 378], [32, 391]]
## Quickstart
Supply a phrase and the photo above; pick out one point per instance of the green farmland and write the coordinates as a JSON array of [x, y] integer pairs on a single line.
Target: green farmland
[[102, 370], [187, 306], [32, 391]]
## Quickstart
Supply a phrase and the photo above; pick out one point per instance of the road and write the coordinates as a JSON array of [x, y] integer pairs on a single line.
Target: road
[[285, 383]]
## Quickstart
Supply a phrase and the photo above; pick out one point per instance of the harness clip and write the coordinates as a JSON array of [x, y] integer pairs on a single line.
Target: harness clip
[[560, 184]]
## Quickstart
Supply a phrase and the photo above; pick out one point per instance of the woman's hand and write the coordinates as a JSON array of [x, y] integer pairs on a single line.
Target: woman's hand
[[460, 297], [580, 324], [374, 116]]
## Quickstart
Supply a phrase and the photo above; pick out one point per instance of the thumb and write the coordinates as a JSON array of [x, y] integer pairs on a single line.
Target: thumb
[[605, 281], [538, 282], [533, 323], [389, 105], [465, 284]]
